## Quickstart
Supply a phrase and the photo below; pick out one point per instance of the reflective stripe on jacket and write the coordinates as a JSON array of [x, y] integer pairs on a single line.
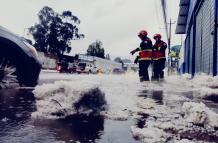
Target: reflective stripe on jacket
[[145, 54], [145, 50], [159, 50]]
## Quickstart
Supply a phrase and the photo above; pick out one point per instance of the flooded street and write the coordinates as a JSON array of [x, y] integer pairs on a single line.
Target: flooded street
[[136, 112]]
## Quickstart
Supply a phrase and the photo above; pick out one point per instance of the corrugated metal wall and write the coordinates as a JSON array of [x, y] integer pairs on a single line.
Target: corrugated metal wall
[[191, 51], [204, 38], [187, 54], [198, 41]]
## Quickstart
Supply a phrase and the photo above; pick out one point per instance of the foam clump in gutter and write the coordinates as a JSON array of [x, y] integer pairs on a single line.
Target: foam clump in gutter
[[65, 98]]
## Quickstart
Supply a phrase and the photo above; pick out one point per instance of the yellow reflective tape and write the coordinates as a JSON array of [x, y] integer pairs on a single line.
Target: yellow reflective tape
[[145, 59], [145, 49], [158, 58]]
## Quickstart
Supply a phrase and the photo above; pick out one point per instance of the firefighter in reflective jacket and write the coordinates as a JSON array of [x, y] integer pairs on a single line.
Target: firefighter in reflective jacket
[[159, 57], [145, 55]]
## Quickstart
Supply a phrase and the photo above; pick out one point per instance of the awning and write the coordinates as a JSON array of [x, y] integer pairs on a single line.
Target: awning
[[182, 17]]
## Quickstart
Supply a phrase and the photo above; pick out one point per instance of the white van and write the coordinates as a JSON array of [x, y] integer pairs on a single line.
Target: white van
[[86, 68]]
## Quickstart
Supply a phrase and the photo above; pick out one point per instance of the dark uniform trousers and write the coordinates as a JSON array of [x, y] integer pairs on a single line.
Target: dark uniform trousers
[[143, 70], [158, 66]]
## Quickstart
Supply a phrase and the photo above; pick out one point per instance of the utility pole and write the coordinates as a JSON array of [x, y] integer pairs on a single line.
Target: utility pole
[[169, 45]]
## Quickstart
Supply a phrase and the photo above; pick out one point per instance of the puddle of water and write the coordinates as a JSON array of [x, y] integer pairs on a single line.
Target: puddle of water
[[213, 98], [157, 95], [118, 132], [17, 125], [140, 122], [15, 104], [74, 128]]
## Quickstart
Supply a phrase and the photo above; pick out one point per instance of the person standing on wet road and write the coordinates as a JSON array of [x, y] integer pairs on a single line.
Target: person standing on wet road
[[159, 57], [145, 55]]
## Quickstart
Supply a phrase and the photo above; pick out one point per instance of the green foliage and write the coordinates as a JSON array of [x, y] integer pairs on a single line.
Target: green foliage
[[119, 60], [54, 32], [96, 49]]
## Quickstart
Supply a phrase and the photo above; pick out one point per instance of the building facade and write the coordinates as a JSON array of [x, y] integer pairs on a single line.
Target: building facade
[[104, 65], [47, 62], [198, 21]]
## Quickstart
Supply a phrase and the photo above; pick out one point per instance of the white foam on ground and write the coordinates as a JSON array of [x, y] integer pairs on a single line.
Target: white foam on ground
[[162, 118], [120, 93], [205, 92], [203, 85], [59, 97], [119, 115], [184, 141], [4, 119], [149, 135], [188, 141], [199, 113], [146, 103]]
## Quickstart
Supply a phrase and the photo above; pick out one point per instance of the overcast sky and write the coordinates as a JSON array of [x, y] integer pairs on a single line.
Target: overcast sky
[[115, 22]]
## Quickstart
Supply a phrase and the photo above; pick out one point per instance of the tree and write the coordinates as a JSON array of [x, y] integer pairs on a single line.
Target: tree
[[96, 49], [175, 50], [119, 60], [54, 32]]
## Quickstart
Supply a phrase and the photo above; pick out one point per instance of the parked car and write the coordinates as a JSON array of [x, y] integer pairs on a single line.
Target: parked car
[[118, 71], [72, 67], [19, 64], [86, 68], [62, 67]]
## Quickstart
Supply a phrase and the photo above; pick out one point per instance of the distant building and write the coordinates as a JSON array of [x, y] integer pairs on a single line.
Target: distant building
[[47, 61], [104, 65], [198, 21]]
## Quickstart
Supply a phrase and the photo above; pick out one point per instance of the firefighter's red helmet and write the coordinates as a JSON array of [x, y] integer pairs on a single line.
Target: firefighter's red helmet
[[157, 36], [143, 33]]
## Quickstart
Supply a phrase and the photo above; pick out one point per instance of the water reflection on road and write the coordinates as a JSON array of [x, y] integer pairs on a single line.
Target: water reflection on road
[[16, 104], [16, 124]]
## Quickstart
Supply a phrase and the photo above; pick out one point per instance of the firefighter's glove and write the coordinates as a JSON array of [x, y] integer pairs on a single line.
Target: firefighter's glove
[[133, 52], [136, 60]]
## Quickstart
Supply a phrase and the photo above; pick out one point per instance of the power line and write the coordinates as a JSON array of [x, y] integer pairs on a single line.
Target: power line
[[169, 45], [157, 13], [163, 5]]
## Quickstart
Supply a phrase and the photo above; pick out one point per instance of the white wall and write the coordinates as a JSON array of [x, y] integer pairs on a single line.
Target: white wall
[[47, 63], [102, 64]]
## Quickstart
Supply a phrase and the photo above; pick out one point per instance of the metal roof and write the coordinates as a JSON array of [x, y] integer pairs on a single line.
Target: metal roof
[[183, 16]]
